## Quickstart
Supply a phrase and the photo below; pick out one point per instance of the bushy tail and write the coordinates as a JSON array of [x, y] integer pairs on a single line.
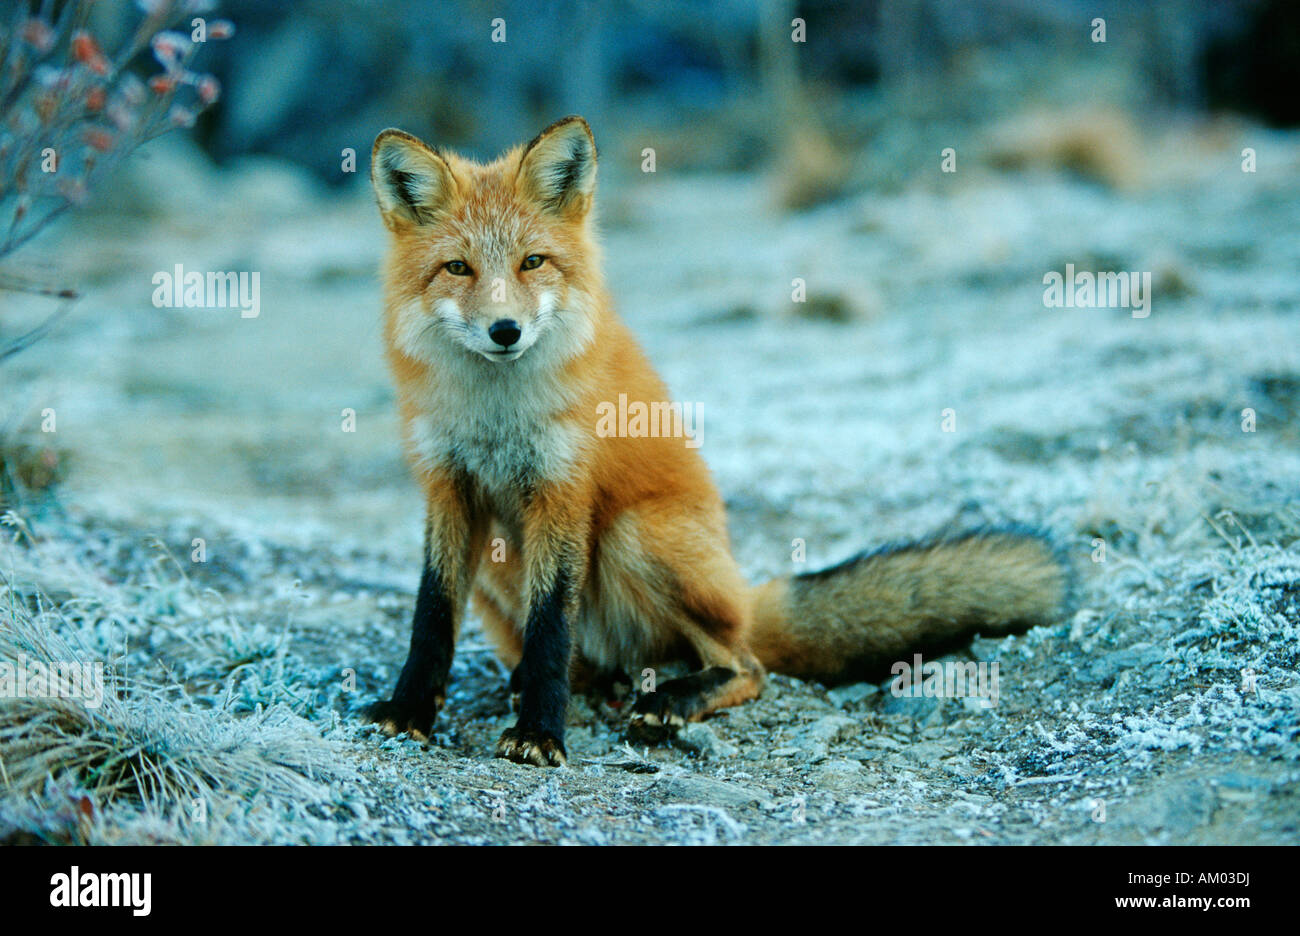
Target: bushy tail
[[854, 620]]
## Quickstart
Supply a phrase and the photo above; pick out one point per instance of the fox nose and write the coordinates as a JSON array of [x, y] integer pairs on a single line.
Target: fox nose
[[504, 332]]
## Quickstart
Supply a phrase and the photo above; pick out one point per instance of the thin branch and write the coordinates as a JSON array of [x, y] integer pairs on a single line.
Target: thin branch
[[26, 340]]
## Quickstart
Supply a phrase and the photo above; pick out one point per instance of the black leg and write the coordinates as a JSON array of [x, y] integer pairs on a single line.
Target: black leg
[[422, 686], [538, 736]]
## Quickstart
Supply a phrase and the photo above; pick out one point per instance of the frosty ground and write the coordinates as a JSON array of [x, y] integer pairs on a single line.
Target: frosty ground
[[1165, 709]]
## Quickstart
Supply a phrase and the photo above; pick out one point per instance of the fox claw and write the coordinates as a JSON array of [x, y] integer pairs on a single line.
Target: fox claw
[[654, 727], [526, 746], [394, 718]]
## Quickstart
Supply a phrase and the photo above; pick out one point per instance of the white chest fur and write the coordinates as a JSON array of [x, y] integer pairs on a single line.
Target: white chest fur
[[501, 423]]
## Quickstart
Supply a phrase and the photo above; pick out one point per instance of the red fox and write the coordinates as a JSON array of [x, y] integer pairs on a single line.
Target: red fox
[[586, 553]]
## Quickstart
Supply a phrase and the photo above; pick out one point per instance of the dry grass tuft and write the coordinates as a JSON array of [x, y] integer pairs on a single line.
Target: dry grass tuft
[[146, 747]]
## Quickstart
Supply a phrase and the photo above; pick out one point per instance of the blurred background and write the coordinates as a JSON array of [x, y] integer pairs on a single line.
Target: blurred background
[[744, 146], [721, 85]]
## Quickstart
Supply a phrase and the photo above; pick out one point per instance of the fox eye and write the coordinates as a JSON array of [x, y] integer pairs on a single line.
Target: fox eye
[[458, 268], [532, 262]]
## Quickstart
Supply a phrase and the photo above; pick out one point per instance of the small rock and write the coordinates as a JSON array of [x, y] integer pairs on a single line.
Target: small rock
[[852, 693], [917, 707], [831, 728], [1105, 668], [837, 774], [701, 739], [1177, 808], [709, 792]]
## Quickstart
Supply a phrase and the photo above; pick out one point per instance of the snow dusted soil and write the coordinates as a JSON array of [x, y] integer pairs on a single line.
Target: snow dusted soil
[[1165, 710]]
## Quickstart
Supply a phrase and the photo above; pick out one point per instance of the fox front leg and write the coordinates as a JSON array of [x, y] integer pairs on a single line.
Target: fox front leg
[[450, 556], [537, 737], [553, 542], [422, 686]]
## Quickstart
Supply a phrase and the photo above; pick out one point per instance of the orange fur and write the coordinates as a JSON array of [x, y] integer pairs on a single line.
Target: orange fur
[[507, 448]]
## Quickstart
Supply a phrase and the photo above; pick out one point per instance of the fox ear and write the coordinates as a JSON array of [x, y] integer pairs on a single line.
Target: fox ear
[[412, 182], [558, 169]]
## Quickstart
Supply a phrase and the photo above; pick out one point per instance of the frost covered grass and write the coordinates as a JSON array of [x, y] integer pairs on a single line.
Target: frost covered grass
[[148, 760]]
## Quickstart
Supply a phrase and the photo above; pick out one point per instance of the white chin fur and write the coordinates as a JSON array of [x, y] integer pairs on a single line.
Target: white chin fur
[[427, 340]]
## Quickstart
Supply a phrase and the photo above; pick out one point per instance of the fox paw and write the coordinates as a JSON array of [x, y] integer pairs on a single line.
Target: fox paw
[[655, 719], [394, 718], [531, 746]]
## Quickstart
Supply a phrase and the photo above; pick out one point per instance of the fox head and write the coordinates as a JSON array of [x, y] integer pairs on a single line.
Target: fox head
[[494, 261]]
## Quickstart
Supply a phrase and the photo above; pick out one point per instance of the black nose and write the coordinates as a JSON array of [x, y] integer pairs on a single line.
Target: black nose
[[504, 332]]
